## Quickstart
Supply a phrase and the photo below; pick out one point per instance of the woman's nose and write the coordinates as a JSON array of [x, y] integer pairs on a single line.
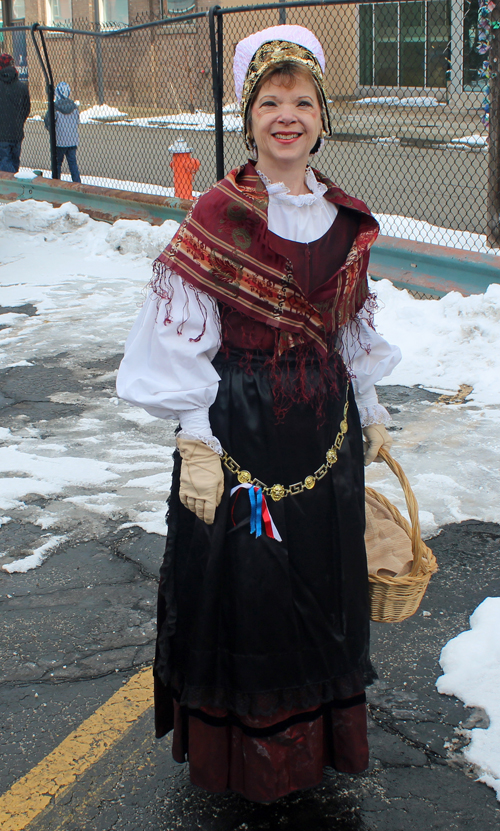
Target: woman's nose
[[286, 116]]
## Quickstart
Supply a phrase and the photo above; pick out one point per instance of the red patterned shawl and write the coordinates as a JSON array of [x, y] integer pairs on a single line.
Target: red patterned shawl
[[222, 248]]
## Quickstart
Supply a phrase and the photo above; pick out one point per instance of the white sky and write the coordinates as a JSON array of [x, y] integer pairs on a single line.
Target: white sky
[[87, 281]]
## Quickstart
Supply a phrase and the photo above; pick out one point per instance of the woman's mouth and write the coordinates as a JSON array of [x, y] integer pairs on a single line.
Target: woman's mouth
[[286, 137]]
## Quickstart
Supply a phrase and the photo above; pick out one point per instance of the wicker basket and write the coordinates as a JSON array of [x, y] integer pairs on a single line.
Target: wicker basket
[[396, 598]]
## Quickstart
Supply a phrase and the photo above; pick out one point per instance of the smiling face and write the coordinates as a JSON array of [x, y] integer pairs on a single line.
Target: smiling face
[[285, 122]]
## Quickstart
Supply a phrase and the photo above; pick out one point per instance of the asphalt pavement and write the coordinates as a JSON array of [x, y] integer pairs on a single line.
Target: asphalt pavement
[[79, 628], [372, 169]]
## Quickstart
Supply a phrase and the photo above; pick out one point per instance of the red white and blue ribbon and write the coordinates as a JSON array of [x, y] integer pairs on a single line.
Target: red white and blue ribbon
[[259, 512]]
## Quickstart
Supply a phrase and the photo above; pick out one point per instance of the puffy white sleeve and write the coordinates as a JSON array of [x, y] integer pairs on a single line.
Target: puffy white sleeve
[[370, 358], [167, 367]]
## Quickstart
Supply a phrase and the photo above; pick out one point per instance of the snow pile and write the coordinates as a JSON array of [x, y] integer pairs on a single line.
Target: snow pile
[[100, 112], [446, 342], [131, 236], [472, 141], [424, 101], [25, 173], [60, 220], [471, 665], [192, 121], [198, 120]]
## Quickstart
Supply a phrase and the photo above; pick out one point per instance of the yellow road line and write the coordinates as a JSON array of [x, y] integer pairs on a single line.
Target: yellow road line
[[82, 748]]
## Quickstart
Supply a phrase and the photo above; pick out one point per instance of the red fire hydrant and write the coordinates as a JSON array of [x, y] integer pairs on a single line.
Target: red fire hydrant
[[184, 167]]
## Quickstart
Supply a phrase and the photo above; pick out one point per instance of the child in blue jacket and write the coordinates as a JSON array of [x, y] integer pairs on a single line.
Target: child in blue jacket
[[67, 120]]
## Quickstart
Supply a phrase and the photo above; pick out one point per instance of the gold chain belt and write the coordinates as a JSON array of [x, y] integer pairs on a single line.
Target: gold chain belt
[[277, 492]]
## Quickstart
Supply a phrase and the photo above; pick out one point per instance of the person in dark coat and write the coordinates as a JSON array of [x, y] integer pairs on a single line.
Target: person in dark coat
[[14, 110], [67, 121]]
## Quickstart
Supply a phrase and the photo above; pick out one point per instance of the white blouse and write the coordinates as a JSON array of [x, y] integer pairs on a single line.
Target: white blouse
[[172, 377]]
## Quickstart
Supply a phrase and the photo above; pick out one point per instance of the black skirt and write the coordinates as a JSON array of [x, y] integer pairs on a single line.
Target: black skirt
[[249, 624]]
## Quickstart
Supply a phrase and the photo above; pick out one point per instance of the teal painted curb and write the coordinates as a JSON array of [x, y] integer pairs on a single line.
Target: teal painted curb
[[432, 269]]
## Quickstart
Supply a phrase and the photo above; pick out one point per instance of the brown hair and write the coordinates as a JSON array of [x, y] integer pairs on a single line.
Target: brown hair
[[286, 74]]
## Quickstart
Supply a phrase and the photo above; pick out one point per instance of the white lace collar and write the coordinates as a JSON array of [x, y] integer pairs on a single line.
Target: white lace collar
[[280, 191]]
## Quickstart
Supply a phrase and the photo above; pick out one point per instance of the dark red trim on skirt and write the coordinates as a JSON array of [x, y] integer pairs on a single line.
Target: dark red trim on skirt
[[265, 758]]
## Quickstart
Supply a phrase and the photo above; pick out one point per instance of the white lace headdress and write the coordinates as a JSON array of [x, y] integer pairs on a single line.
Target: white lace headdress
[[275, 45]]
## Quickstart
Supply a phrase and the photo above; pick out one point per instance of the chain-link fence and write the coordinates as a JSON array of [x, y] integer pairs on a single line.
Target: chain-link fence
[[138, 91], [410, 135], [407, 137]]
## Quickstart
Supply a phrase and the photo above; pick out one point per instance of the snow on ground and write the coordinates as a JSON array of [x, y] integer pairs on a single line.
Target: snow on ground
[[100, 112], [472, 141], [106, 182], [451, 453], [471, 666], [193, 121], [405, 227], [463, 143], [422, 101], [458, 339], [198, 120], [86, 280], [67, 475]]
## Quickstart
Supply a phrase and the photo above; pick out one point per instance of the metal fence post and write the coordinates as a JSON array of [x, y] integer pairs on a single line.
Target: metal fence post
[[49, 84], [217, 52], [98, 53], [493, 202]]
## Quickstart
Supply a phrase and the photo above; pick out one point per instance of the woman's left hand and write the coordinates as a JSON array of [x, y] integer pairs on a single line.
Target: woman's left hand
[[376, 438]]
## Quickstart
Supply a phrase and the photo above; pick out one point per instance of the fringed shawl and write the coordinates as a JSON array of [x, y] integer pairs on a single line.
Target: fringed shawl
[[223, 249]]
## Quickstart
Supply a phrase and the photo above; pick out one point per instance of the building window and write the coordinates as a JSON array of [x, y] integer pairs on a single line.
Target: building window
[[473, 58], [18, 10], [180, 6], [405, 44], [59, 13], [114, 13]]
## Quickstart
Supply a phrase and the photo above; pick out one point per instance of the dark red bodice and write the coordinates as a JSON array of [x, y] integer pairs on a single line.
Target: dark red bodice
[[314, 264]]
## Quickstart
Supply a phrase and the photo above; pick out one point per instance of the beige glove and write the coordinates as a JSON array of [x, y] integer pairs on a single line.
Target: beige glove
[[377, 438], [202, 479]]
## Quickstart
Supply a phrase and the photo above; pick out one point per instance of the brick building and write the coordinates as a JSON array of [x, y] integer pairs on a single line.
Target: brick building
[[427, 47]]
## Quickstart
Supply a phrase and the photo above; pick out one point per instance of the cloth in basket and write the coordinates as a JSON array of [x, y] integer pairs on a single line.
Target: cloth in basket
[[388, 547]]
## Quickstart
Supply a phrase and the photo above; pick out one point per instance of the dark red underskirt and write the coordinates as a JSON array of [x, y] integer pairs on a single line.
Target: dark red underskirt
[[262, 767]]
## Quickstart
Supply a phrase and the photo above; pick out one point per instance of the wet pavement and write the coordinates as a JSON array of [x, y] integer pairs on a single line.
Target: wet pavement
[[83, 623], [79, 626]]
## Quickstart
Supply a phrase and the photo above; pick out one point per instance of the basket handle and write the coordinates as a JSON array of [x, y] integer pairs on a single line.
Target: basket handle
[[412, 506]]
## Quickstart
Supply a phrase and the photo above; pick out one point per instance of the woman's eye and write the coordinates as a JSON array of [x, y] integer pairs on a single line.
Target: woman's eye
[[305, 104], [268, 104]]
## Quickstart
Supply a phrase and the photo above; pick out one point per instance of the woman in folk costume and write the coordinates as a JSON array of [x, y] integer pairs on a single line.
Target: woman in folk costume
[[257, 338]]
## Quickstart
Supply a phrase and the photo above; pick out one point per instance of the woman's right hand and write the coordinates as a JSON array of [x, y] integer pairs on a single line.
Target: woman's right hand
[[202, 478], [376, 438]]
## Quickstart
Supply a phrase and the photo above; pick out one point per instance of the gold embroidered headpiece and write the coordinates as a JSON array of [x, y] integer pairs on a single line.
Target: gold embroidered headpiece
[[274, 53]]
